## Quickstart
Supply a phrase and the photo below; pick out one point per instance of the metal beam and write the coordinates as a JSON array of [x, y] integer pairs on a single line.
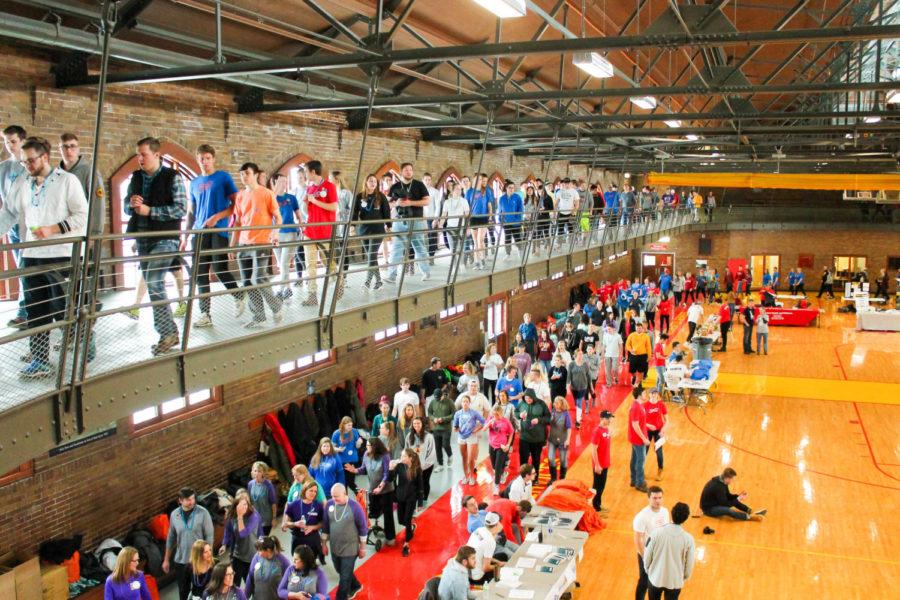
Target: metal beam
[[449, 53], [401, 19], [332, 21], [129, 13]]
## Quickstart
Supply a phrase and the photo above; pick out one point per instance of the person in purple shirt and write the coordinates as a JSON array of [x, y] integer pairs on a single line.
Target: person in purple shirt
[[345, 527], [241, 527], [221, 584], [304, 517], [126, 582], [262, 494], [266, 570], [303, 580]]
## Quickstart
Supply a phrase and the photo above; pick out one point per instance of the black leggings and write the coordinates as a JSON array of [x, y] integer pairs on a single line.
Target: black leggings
[[499, 459], [426, 484], [664, 322], [533, 451], [405, 511], [241, 569], [370, 250], [490, 385]]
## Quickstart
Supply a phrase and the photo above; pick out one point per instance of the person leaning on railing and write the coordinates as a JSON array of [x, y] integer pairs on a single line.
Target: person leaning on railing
[[48, 203]]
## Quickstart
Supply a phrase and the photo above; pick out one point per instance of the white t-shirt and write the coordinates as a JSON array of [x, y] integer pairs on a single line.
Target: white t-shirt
[[490, 365], [484, 545], [675, 372], [612, 345], [565, 201], [401, 399], [434, 200], [519, 490], [453, 209], [694, 313], [647, 521], [478, 403], [542, 389]]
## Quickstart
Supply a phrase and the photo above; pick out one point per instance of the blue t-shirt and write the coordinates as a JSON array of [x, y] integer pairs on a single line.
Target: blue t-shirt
[[612, 200], [478, 202], [767, 279], [288, 205], [800, 277], [350, 453], [210, 195], [511, 208], [512, 387], [466, 421], [665, 282], [475, 521], [792, 277]]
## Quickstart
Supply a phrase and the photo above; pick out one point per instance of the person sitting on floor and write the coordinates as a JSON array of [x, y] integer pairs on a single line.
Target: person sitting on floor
[[716, 500]]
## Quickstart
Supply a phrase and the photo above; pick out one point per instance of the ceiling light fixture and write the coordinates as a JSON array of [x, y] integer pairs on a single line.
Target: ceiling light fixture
[[673, 123], [505, 9], [645, 102], [872, 120], [593, 64], [692, 137], [627, 175]]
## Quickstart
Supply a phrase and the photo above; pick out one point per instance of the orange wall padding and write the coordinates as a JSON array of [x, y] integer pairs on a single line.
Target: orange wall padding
[[780, 181]]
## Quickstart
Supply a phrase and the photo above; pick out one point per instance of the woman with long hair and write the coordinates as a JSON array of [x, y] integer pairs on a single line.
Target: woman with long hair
[[241, 528], [500, 438], [266, 569], [126, 582], [303, 517], [262, 494], [468, 422], [387, 433], [223, 584], [545, 349], [199, 570], [289, 207], [409, 492], [347, 442], [376, 464], [372, 215], [453, 217], [469, 373], [404, 425], [481, 205], [491, 363], [303, 580], [420, 441], [301, 477], [558, 439], [326, 467]]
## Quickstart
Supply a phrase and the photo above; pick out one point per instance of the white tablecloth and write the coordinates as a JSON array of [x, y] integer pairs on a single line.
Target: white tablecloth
[[888, 320]]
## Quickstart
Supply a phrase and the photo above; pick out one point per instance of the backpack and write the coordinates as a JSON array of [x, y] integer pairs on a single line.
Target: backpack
[[107, 552], [148, 549]]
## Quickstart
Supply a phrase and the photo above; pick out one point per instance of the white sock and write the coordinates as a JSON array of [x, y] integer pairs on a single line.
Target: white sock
[[577, 414]]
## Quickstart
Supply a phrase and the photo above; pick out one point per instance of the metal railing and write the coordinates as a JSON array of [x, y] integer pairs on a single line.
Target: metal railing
[[82, 339]]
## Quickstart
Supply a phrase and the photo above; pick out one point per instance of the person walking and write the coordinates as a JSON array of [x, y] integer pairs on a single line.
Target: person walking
[[637, 437], [578, 381], [126, 582], [748, 318], [376, 464], [534, 416], [440, 415], [467, 422], [639, 347], [303, 580], [500, 437], [187, 524], [420, 441], [241, 533], [827, 285], [346, 442], [408, 197], [669, 556], [372, 215], [612, 353], [266, 570], [645, 524], [262, 494], [725, 319], [657, 419], [326, 466], [600, 458], [694, 314], [659, 361], [344, 531], [303, 517], [409, 492], [558, 438]]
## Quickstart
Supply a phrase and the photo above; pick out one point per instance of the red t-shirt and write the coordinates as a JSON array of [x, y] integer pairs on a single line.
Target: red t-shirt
[[637, 413], [601, 439], [689, 283], [509, 515], [655, 413], [659, 355], [665, 307], [724, 313], [324, 192]]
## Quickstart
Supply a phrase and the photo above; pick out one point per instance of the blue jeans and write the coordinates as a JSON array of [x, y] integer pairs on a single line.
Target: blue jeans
[[638, 455], [13, 236], [154, 271], [660, 379], [347, 581], [726, 511], [405, 237]]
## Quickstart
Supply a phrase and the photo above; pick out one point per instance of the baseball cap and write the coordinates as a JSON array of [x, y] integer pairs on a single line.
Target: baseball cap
[[491, 519], [605, 414]]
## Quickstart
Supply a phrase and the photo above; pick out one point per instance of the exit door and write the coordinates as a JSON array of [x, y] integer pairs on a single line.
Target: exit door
[[652, 264]]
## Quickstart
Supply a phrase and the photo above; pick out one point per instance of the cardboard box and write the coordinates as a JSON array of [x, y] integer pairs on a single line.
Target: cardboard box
[[24, 572], [54, 582]]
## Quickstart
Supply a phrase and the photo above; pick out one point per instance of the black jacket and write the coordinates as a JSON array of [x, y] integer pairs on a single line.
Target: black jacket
[[716, 493], [408, 490]]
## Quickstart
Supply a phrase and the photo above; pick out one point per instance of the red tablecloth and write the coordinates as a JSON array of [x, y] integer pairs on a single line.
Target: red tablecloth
[[795, 317]]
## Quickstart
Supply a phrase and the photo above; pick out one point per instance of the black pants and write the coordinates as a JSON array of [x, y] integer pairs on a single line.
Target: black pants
[[599, 485], [442, 446], [663, 322], [829, 289], [182, 579], [384, 506], [724, 327], [490, 386], [300, 259], [692, 327], [370, 247], [531, 450], [654, 436], [748, 339], [213, 263], [313, 540], [678, 297], [651, 318], [426, 484], [512, 231], [660, 593], [499, 459], [45, 299], [241, 570], [432, 239], [643, 582], [405, 511], [800, 288]]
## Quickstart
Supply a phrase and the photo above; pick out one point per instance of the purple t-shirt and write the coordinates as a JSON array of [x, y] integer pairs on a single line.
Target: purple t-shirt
[[313, 513], [135, 588]]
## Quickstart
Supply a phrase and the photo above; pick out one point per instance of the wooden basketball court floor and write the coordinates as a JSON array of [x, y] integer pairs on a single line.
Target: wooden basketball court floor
[[813, 431]]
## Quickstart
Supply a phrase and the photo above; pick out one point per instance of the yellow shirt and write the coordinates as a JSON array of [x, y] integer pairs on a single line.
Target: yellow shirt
[[638, 343], [698, 200]]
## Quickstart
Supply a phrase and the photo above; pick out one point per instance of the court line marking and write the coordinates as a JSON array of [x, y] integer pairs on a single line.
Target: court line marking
[[808, 388], [862, 426], [708, 540], [687, 414]]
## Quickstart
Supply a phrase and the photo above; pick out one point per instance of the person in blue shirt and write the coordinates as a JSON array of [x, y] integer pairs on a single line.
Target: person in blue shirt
[[475, 518], [481, 216], [529, 333], [775, 275], [792, 281], [800, 282], [611, 201], [767, 279], [325, 466], [510, 383], [511, 211], [467, 423], [665, 282], [623, 301], [211, 197], [289, 207], [347, 442]]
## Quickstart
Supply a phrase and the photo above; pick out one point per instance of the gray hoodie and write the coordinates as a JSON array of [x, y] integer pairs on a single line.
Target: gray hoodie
[[455, 582]]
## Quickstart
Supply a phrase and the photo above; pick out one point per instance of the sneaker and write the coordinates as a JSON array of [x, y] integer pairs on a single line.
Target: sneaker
[[641, 488], [36, 370], [165, 344], [471, 479], [17, 323], [426, 276], [240, 305], [180, 310], [378, 285], [762, 512], [286, 295], [134, 314], [659, 475], [311, 300], [405, 550], [203, 320], [255, 324], [503, 479], [355, 593], [278, 316]]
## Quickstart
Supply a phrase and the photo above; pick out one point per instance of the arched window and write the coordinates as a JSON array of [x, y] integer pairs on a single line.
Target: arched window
[[389, 168], [173, 156], [450, 175], [292, 168]]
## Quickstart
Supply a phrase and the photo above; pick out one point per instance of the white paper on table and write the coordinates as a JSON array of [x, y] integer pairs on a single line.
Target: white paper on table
[[531, 536], [525, 563], [521, 593], [508, 572], [539, 550], [569, 574], [509, 583], [658, 443]]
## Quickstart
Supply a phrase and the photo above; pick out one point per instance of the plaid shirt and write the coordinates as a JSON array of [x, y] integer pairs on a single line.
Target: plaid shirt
[[171, 212]]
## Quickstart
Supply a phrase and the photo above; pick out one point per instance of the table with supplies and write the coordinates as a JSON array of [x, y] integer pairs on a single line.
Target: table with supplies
[[542, 517], [540, 570], [698, 392], [878, 320]]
